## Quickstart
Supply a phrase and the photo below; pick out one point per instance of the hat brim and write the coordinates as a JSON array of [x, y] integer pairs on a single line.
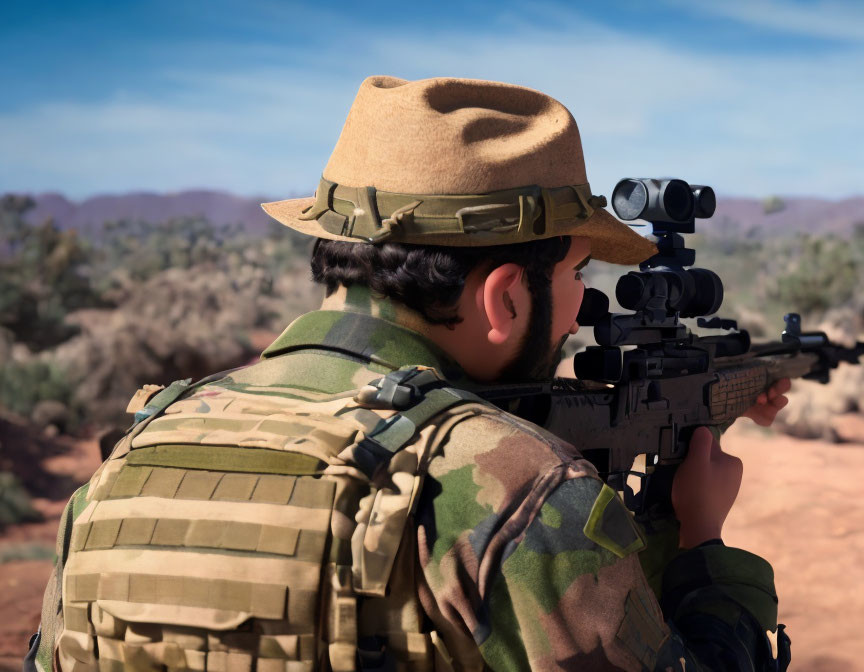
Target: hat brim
[[614, 241], [611, 240]]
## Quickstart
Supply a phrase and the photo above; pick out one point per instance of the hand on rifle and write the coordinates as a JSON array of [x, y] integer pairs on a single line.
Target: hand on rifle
[[707, 482], [768, 404], [705, 487]]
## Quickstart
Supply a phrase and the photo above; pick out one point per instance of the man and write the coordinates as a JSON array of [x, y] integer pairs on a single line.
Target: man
[[308, 513]]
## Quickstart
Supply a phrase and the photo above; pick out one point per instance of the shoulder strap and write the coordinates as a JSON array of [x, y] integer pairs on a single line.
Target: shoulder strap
[[173, 392], [419, 394], [162, 400]]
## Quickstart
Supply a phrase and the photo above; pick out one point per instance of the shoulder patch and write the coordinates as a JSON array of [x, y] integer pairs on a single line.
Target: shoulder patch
[[142, 396], [610, 525]]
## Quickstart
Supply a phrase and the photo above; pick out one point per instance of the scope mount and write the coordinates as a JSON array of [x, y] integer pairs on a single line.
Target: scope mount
[[666, 288]]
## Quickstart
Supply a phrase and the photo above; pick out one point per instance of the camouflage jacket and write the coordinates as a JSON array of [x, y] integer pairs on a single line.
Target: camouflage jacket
[[526, 560]]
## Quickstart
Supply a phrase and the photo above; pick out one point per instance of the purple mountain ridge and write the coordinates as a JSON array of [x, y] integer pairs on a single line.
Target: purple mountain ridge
[[745, 217], [88, 215]]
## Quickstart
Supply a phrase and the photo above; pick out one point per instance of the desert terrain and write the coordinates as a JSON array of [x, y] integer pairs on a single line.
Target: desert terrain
[[801, 508]]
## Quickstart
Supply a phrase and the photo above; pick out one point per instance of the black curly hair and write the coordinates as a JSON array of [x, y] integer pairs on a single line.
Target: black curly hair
[[429, 279]]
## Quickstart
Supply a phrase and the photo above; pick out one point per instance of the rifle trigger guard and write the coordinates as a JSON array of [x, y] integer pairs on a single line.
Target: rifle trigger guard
[[632, 500]]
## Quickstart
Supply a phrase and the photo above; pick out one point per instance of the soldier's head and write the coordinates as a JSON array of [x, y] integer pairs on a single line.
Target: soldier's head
[[467, 202]]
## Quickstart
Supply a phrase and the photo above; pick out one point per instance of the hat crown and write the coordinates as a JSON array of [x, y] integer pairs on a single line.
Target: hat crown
[[455, 136], [458, 162]]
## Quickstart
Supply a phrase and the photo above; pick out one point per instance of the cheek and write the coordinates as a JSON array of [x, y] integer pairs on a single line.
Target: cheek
[[566, 299]]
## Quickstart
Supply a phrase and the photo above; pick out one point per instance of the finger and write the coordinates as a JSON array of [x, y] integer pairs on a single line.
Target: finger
[[762, 398], [755, 410], [780, 387], [716, 450], [701, 445], [770, 412], [761, 419], [780, 402], [764, 415], [735, 466], [730, 459]]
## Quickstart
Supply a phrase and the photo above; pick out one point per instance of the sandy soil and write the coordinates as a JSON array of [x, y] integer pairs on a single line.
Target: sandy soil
[[800, 507]]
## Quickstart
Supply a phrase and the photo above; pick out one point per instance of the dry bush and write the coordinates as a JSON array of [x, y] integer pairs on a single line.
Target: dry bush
[[181, 323]]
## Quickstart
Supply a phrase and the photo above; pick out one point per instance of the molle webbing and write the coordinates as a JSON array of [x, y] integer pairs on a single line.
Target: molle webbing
[[205, 550], [227, 458], [263, 600], [204, 543], [522, 214]]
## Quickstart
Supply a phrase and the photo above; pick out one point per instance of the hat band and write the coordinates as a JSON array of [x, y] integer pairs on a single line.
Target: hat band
[[514, 215]]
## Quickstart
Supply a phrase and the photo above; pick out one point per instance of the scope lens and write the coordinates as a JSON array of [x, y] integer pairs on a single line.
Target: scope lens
[[630, 290], [629, 199], [706, 201], [678, 200]]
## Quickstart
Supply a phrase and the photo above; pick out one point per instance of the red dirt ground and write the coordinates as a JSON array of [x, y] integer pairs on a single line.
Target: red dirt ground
[[22, 582], [800, 507]]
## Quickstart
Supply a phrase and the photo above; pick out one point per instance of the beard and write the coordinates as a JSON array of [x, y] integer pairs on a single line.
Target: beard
[[537, 358]]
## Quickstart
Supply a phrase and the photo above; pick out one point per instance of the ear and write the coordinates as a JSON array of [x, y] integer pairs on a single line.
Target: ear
[[501, 287]]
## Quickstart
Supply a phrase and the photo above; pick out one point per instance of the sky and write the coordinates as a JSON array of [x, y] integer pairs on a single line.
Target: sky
[[754, 97]]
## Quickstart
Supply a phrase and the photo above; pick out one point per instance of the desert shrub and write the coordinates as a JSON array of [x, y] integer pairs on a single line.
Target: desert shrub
[[132, 252], [15, 504], [43, 277], [816, 274], [143, 249], [25, 384], [24, 552]]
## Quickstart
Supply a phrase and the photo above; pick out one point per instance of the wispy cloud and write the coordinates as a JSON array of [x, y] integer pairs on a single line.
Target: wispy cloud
[[831, 20], [749, 124]]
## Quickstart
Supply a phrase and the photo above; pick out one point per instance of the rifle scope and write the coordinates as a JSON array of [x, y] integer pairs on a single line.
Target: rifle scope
[[666, 287], [667, 201], [691, 292]]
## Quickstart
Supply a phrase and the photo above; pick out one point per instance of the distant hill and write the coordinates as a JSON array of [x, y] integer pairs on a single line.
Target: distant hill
[[87, 216], [747, 217], [734, 216]]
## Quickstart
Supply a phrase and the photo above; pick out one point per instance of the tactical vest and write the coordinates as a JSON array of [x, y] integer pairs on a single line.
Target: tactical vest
[[257, 527]]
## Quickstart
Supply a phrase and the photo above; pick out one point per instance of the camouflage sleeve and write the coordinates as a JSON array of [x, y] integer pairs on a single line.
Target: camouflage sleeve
[[41, 655], [722, 605], [661, 538], [531, 562]]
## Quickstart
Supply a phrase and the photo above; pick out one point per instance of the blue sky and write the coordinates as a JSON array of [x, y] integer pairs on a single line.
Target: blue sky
[[754, 97]]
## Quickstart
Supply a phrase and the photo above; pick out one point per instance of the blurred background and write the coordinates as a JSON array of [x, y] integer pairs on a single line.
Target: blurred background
[[138, 138]]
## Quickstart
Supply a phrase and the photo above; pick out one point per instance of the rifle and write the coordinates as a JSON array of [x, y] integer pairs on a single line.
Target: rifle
[[640, 393]]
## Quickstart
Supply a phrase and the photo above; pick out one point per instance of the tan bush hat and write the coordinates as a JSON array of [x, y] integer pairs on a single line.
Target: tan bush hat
[[458, 162]]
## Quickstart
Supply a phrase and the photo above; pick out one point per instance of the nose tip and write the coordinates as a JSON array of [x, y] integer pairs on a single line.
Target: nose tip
[[574, 328]]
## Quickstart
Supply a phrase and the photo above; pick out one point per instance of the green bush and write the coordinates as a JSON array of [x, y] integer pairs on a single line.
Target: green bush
[[15, 504], [818, 273], [25, 384], [23, 552], [43, 277]]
